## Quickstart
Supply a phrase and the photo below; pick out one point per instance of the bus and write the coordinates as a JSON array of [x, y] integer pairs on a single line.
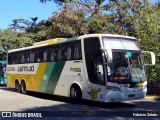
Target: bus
[[3, 72], [97, 67]]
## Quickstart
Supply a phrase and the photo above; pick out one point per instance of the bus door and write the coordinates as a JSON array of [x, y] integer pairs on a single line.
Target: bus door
[[98, 77], [94, 69]]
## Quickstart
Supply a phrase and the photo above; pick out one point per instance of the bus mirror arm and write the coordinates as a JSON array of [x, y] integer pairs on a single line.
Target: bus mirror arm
[[153, 57]]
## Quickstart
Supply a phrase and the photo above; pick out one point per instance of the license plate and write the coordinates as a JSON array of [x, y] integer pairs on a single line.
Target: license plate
[[131, 95]]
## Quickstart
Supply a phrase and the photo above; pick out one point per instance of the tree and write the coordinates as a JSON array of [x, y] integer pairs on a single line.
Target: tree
[[14, 39], [147, 30], [118, 13]]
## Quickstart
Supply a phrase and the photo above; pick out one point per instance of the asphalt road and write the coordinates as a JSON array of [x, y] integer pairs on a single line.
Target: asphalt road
[[60, 107]]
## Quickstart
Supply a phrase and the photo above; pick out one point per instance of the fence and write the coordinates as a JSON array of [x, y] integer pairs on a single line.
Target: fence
[[153, 88]]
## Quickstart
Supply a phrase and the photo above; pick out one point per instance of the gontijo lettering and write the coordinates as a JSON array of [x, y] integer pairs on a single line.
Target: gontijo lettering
[[26, 68]]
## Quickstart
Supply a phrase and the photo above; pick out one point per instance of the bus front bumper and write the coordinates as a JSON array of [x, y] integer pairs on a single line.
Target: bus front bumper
[[115, 96]]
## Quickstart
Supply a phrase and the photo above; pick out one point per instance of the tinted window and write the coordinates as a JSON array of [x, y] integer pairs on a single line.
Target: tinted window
[[56, 52], [91, 47]]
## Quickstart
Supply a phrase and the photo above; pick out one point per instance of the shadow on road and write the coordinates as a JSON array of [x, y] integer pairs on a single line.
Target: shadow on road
[[68, 100], [88, 108], [83, 102], [4, 87]]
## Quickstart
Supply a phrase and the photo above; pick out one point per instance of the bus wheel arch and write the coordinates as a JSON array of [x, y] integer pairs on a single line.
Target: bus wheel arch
[[23, 87], [75, 92], [17, 86]]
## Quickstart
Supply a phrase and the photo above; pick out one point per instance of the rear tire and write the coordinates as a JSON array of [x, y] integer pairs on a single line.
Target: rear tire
[[76, 93], [23, 87]]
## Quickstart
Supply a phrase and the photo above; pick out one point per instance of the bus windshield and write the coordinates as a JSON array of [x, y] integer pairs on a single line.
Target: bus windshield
[[126, 67]]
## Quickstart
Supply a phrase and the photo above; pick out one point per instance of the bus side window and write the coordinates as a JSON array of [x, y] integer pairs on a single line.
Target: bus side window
[[77, 52], [63, 54], [36, 59], [68, 53], [32, 56], [60, 54], [52, 54], [27, 57], [22, 58], [9, 58], [56, 48], [39, 55], [72, 52], [16, 58], [45, 54]]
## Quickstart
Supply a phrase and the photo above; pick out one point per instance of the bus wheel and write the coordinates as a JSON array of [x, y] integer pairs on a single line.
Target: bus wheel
[[17, 86], [23, 87], [76, 93]]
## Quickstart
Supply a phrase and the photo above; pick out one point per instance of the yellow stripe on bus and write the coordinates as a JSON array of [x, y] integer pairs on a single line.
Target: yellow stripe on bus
[[38, 76], [49, 42], [41, 68]]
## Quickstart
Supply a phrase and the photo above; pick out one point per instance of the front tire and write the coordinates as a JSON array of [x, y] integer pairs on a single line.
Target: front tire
[[76, 93]]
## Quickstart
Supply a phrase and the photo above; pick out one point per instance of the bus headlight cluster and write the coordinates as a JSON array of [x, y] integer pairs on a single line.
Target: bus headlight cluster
[[113, 88], [145, 86]]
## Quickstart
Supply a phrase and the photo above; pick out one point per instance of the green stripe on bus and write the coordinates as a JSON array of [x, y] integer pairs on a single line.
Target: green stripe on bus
[[72, 39], [47, 74], [61, 41], [67, 40], [54, 77]]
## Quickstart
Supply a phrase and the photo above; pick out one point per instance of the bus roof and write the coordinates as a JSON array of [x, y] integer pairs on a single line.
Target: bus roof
[[63, 40], [46, 43], [107, 35]]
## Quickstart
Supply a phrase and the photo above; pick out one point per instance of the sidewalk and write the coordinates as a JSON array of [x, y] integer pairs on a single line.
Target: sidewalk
[[152, 97]]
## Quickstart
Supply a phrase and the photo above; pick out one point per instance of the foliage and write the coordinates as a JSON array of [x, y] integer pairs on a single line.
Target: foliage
[[118, 13], [147, 26], [15, 39], [66, 24]]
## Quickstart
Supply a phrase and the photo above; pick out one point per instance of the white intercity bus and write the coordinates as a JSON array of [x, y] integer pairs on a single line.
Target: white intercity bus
[[98, 67]]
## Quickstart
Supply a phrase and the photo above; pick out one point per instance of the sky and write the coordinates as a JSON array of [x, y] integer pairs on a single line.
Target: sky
[[25, 9]]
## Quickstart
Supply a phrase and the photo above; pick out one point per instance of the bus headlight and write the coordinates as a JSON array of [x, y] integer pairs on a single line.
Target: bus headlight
[[143, 84], [144, 87], [113, 88]]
